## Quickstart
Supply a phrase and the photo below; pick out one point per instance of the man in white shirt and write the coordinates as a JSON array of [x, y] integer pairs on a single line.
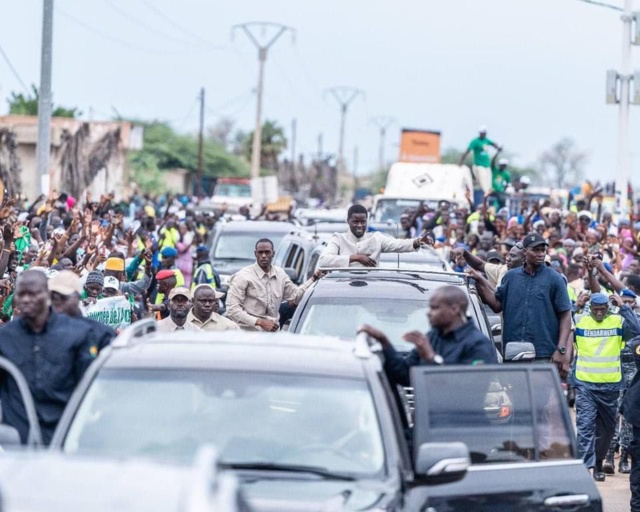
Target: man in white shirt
[[357, 248]]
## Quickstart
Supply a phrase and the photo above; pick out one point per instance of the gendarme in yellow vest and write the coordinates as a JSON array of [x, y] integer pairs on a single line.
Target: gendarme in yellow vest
[[598, 347]]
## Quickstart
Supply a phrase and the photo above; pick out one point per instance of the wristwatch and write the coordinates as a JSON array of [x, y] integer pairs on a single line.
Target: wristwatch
[[437, 359], [562, 350]]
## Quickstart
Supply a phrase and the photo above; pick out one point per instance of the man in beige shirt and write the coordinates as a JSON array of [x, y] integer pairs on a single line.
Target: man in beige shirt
[[256, 291], [206, 307], [179, 306], [357, 248]]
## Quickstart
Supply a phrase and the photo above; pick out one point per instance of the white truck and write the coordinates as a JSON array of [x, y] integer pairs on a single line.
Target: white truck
[[408, 184]]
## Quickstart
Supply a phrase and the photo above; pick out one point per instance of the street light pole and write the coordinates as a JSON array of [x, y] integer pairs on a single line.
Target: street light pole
[[263, 50], [623, 163], [43, 148]]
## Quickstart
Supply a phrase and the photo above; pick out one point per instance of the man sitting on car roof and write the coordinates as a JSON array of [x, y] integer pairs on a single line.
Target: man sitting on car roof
[[358, 248]]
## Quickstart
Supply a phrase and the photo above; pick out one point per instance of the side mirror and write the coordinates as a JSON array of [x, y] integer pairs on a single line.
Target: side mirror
[[519, 351], [9, 436], [440, 463], [292, 273], [496, 329]]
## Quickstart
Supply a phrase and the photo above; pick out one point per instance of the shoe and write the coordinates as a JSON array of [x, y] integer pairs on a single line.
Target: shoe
[[599, 476], [608, 466], [624, 467]]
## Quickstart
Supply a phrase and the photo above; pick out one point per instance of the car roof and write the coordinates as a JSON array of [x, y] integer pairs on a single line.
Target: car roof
[[240, 350], [257, 225], [423, 256], [53, 481], [383, 283]]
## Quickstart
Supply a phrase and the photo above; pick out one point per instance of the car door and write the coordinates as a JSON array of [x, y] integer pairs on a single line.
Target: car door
[[517, 426]]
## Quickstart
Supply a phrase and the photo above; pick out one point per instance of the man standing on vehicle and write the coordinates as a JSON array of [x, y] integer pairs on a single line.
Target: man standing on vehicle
[[600, 338], [453, 339], [481, 159], [359, 248], [535, 305], [51, 350], [256, 291]]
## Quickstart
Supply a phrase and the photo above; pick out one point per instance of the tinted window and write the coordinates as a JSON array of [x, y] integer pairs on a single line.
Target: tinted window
[[394, 317], [250, 418], [242, 245], [492, 412]]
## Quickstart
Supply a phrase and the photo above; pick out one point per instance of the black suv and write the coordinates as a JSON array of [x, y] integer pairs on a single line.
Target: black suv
[[311, 423], [392, 300]]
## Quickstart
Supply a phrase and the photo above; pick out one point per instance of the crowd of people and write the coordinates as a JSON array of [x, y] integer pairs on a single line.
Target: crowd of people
[[76, 273]]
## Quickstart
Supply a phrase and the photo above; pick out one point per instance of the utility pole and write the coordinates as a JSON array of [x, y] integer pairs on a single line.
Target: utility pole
[[355, 168], [294, 126], [44, 102], [344, 96], [382, 122], [624, 78], [320, 143], [200, 187], [263, 49]]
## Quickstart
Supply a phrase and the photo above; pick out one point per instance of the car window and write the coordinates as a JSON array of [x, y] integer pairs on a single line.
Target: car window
[[242, 245], [493, 413], [313, 262], [394, 317], [250, 418]]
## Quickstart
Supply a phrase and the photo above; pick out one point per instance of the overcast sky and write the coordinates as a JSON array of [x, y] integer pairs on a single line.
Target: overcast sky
[[533, 71]]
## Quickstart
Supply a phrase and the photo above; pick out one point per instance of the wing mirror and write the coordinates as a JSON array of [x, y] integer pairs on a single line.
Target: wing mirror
[[519, 351], [441, 463], [496, 329]]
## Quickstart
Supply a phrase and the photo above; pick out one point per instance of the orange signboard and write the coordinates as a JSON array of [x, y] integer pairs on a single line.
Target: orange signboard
[[419, 146]]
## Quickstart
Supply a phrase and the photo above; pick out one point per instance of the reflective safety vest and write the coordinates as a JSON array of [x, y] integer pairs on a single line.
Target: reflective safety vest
[[598, 346], [573, 297], [207, 268]]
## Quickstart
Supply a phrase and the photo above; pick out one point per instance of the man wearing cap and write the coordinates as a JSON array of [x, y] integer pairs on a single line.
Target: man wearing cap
[[599, 340], [206, 307], [169, 255], [65, 288], [535, 305], [500, 178], [93, 285], [481, 160], [179, 306], [111, 287], [115, 267], [166, 280], [205, 273]]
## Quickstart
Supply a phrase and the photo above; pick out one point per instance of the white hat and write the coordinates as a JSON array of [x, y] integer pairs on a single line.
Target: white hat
[[503, 161], [111, 282], [483, 129], [525, 180], [585, 213]]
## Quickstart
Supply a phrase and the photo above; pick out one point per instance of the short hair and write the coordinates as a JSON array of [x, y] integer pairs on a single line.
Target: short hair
[[356, 209], [573, 269], [264, 241], [633, 283], [454, 295]]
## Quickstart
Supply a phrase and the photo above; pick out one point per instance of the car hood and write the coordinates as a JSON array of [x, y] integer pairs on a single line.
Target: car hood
[[313, 495]]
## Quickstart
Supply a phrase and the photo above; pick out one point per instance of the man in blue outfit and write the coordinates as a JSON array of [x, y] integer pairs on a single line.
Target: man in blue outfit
[[453, 339]]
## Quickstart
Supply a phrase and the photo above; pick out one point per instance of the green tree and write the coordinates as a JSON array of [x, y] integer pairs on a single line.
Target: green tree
[[274, 142], [164, 149], [19, 104]]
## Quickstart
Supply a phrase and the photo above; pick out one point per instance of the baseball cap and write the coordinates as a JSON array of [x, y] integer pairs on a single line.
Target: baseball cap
[[494, 255], [533, 240], [525, 180], [65, 283], [111, 283], [599, 299], [180, 291], [483, 129]]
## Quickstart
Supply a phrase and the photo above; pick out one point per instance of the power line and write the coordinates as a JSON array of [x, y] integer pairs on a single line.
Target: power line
[[182, 29], [13, 70], [142, 24]]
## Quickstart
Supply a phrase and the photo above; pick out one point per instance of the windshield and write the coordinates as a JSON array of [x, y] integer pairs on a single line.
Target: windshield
[[242, 245], [326, 422], [233, 190], [392, 209]]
